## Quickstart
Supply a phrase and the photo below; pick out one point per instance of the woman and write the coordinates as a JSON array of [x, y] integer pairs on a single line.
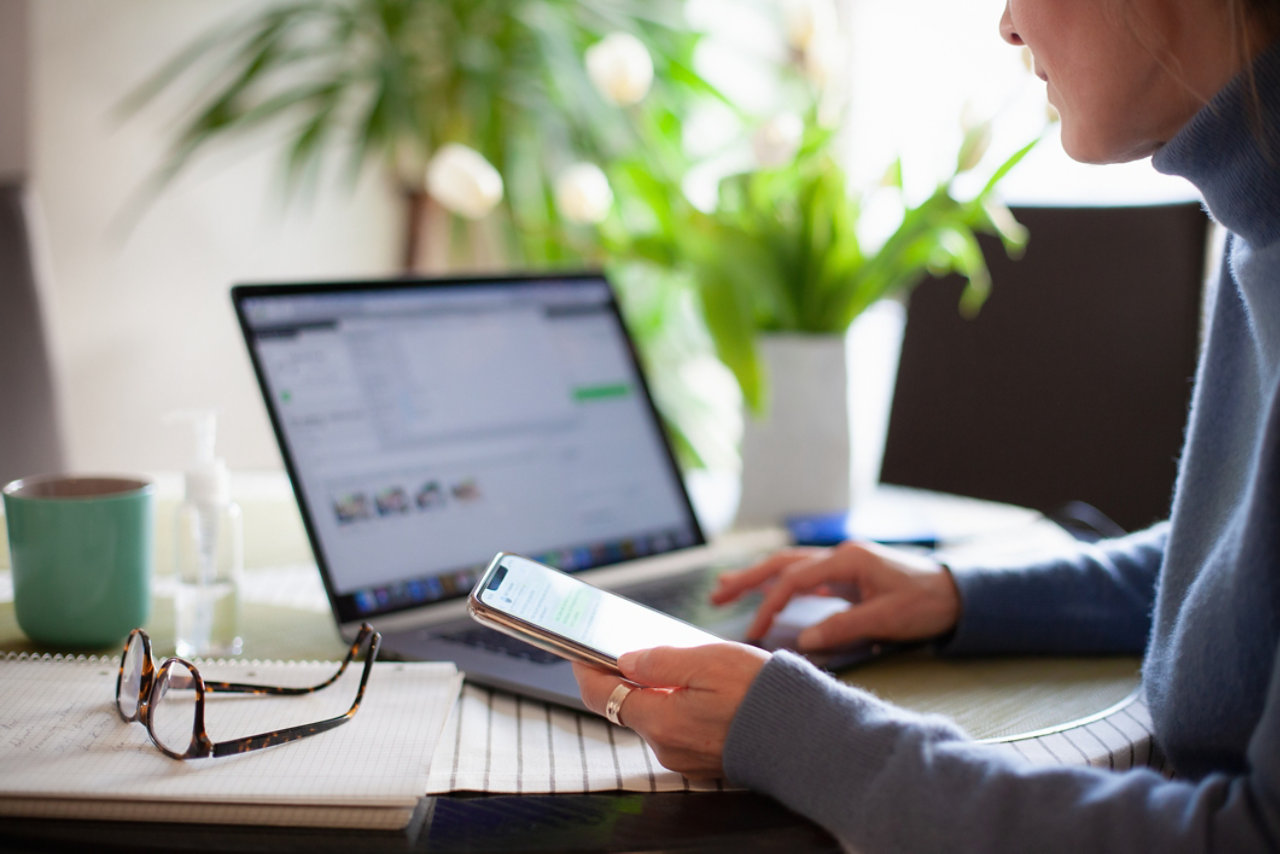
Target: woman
[[1196, 83]]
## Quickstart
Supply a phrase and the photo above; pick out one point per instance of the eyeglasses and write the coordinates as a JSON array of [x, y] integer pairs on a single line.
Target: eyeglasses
[[169, 699]]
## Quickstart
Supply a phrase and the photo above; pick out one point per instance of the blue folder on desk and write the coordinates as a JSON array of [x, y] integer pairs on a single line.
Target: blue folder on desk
[[828, 529]]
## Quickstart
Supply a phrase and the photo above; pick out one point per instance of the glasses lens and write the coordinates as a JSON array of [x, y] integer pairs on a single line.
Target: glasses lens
[[131, 676], [173, 708]]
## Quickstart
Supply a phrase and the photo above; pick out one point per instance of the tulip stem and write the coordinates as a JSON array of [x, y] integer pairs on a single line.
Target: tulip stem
[[417, 204]]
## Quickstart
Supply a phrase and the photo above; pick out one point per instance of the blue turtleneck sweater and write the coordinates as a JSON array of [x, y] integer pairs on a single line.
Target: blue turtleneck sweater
[[1200, 594]]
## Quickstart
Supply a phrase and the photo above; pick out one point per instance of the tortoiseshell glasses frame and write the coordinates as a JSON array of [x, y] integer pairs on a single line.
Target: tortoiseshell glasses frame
[[141, 686]]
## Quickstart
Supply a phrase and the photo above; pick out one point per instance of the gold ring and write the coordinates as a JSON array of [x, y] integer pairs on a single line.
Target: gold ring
[[614, 704]]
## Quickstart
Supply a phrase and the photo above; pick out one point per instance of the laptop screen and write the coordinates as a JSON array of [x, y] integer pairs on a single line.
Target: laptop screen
[[428, 424]]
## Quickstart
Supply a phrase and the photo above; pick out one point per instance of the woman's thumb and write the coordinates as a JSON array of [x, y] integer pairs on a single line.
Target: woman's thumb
[[660, 667]]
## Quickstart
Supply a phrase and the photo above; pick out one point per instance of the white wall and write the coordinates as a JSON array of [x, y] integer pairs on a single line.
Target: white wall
[[13, 87], [141, 319]]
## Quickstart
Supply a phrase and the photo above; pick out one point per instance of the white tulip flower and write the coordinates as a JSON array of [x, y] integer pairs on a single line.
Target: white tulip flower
[[620, 67], [461, 180], [776, 141], [822, 59], [806, 20], [583, 195]]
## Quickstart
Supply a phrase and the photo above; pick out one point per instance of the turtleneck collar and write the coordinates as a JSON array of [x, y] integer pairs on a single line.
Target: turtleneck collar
[[1220, 151]]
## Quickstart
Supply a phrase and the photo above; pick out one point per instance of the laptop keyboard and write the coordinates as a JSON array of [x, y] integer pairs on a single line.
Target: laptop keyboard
[[495, 641], [683, 596]]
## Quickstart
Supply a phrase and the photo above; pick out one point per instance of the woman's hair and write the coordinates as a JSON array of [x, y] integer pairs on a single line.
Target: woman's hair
[[1256, 26], [1258, 20]]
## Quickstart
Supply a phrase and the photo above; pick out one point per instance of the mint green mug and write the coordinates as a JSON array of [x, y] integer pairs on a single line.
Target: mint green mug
[[80, 549]]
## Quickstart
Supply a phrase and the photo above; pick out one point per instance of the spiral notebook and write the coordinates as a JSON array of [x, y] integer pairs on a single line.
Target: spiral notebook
[[65, 752]]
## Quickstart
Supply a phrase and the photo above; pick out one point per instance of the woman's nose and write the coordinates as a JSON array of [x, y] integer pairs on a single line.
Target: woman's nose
[[1007, 31]]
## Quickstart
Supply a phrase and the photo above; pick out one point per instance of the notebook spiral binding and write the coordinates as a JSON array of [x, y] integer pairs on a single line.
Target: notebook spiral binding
[[60, 656]]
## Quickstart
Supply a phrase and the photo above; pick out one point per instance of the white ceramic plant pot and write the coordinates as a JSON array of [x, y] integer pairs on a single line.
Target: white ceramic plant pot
[[819, 446]]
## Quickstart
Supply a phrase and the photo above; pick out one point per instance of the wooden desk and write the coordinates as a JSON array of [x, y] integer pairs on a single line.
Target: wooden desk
[[1031, 706]]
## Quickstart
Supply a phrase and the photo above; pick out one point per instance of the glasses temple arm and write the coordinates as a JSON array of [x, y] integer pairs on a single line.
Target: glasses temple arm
[[249, 688], [269, 739]]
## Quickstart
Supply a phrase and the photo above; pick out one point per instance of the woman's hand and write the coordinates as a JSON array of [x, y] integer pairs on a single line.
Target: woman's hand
[[684, 701], [895, 595]]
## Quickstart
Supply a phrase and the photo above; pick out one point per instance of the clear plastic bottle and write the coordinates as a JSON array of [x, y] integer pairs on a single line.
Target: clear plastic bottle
[[209, 553]]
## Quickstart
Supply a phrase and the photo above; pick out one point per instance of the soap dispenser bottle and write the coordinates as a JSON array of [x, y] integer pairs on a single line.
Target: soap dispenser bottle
[[209, 552]]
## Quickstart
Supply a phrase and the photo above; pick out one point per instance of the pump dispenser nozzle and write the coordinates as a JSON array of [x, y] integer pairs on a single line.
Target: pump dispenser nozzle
[[206, 477]]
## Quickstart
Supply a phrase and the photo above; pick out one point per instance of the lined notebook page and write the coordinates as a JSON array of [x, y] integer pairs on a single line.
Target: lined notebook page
[[495, 742], [502, 744], [60, 736]]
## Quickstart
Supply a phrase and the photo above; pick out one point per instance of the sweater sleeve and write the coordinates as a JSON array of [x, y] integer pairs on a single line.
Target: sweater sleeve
[[1098, 599], [884, 779]]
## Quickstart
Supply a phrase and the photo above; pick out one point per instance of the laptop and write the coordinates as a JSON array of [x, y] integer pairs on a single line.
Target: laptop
[[427, 424]]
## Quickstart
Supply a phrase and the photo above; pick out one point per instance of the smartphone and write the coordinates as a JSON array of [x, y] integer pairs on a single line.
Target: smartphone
[[567, 616]]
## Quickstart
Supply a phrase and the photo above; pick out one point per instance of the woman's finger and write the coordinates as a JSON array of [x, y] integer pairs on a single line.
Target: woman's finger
[[667, 666], [803, 577], [858, 623], [595, 685], [731, 585]]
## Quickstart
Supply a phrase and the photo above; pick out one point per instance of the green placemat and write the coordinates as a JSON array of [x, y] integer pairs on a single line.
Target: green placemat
[[1006, 697], [270, 632]]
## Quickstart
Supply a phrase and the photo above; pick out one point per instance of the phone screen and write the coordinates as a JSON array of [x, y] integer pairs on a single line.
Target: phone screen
[[604, 621]]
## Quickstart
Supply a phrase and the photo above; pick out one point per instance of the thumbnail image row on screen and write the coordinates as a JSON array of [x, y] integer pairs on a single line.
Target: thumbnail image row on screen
[[459, 581], [395, 499]]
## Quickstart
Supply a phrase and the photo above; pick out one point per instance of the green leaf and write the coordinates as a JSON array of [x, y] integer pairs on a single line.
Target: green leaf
[[1007, 166], [999, 220], [304, 155], [893, 175], [733, 333]]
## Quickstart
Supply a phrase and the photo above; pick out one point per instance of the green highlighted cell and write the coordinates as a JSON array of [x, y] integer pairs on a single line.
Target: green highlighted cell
[[601, 392], [574, 611]]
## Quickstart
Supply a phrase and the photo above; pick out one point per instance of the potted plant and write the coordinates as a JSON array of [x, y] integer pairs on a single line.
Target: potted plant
[[782, 251], [787, 264], [789, 289]]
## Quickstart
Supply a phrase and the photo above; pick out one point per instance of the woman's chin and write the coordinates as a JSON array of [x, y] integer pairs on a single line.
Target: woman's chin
[[1090, 148]]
